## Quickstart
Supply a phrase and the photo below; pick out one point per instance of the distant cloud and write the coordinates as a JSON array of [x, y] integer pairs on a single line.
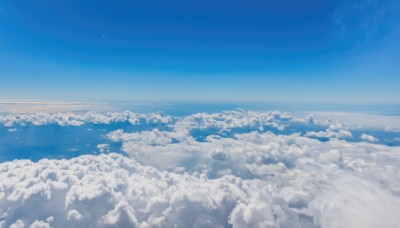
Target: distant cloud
[[12, 129], [390, 129], [21, 107], [103, 148], [357, 120], [78, 119], [368, 138], [341, 134]]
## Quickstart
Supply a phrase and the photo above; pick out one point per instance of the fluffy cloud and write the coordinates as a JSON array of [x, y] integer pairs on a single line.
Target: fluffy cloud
[[247, 155], [220, 121], [368, 138], [340, 134], [229, 177], [78, 119], [112, 190], [103, 148], [235, 119]]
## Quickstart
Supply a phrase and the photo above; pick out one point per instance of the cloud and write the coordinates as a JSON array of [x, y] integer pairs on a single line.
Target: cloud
[[114, 190], [340, 134], [103, 148], [221, 121], [247, 155], [328, 125], [355, 203], [78, 119], [110, 189], [354, 120], [227, 177], [368, 138], [390, 129], [235, 119]]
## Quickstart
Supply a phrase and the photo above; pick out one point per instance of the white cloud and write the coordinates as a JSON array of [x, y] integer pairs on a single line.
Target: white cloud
[[40, 224], [359, 119], [103, 148], [97, 191], [235, 119], [17, 224], [294, 168], [74, 215], [390, 129], [114, 190], [78, 119], [352, 202], [252, 179], [368, 138], [340, 134]]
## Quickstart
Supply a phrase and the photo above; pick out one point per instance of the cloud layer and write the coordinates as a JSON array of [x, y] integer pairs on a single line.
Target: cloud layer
[[78, 119], [230, 169], [111, 190]]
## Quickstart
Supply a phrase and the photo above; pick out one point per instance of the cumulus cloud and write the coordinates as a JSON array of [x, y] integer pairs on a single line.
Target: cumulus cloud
[[235, 119], [110, 189], [171, 178], [255, 155], [340, 134], [368, 138], [78, 119], [390, 129], [113, 190], [221, 121], [103, 148]]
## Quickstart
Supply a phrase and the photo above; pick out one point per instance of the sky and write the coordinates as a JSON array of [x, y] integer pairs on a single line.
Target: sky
[[208, 50]]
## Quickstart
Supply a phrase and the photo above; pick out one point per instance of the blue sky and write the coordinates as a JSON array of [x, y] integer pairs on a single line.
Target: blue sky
[[224, 50]]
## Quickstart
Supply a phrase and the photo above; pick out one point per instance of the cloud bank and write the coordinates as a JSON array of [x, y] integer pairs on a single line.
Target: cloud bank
[[230, 169], [78, 119]]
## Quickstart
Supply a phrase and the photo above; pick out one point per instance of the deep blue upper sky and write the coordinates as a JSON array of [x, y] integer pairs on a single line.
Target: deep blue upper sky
[[208, 50]]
